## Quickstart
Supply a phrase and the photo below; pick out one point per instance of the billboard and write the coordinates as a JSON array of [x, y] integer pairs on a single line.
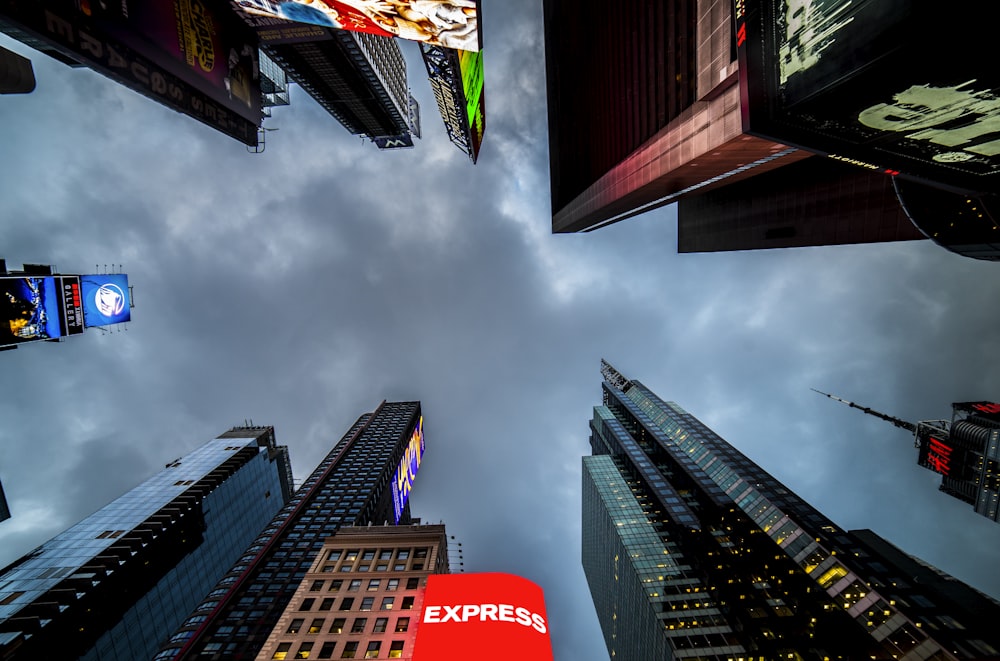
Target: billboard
[[29, 309], [447, 23], [473, 88], [71, 319], [106, 299], [886, 85], [456, 78], [188, 55], [406, 472], [500, 616], [987, 410]]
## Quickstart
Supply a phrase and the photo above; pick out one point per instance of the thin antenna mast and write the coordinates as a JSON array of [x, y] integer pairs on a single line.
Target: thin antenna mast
[[902, 424]]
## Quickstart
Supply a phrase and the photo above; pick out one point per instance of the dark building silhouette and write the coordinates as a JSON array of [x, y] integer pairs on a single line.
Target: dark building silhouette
[[4, 508], [692, 550], [362, 480], [118, 582]]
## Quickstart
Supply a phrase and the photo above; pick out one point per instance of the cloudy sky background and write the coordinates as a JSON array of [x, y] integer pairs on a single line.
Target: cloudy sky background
[[302, 286]]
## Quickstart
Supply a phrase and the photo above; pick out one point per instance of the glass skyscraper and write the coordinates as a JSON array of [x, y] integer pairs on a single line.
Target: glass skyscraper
[[117, 583], [364, 479], [692, 551]]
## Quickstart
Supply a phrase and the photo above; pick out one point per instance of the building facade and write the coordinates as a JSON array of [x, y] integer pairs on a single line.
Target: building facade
[[692, 551], [121, 580], [362, 596], [364, 479]]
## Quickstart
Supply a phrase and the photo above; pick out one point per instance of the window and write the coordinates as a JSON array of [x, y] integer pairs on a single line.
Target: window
[[316, 626], [363, 567], [369, 554], [326, 604], [382, 567], [359, 625], [352, 555], [349, 650], [402, 624], [403, 554], [374, 584], [338, 625], [396, 650], [367, 603], [347, 604], [304, 650], [412, 583], [355, 585], [387, 603], [295, 626], [399, 566], [326, 652], [393, 584], [10, 598], [385, 555], [373, 648], [407, 603], [336, 585], [307, 604], [380, 625], [316, 586], [334, 556], [282, 651], [420, 553]]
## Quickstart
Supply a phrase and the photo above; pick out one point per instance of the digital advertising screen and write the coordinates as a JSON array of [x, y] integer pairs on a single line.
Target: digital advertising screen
[[473, 87], [447, 23], [193, 56], [406, 472], [888, 85], [72, 305], [987, 410], [106, 299], [29, 309], [500, 616]]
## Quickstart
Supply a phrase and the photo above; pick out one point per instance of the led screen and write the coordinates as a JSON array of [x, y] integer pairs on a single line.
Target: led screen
[[72, 305], [987, 410], [106, 299], [471, 66], [29, 309], [448, 23], [406, 472], [500, 616], [883, 84]]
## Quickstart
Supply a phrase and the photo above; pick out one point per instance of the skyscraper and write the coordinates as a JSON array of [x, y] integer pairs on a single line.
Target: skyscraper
[[115, 584], [692, 551], [964, 451], [365, 478]]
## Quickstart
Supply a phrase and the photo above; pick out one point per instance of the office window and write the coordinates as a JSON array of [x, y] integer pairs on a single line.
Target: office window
[[367, 603], [396, 649], [352, 555], [336, 585], [282, 651], [407, 603], [326, 604], [316, 626], [295, 626], [316, 586], [338, 625], [355, 585], [412, 583], [402, 624], [347, 604], [380, 625], [359, 625], [382, 567], [392, 584], [373, 648], [374, 584], [403, 554], [385, 555], [307, 604], [304, 650], [369, 554], [387, 603], [399, 566], [326, 652], [349, 650]]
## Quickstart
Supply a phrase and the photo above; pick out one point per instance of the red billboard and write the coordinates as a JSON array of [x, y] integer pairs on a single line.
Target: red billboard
[[491, 617]]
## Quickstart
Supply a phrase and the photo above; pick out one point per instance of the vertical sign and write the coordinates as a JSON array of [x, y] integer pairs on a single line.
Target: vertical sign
[[406, 472]]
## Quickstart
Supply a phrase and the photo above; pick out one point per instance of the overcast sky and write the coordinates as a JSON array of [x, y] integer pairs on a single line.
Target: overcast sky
[[302, 286]]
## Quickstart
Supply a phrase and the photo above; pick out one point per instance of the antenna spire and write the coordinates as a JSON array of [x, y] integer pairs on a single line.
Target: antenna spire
[[902, 424]]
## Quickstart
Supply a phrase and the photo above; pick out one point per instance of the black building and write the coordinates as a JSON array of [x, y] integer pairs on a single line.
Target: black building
[[693, 551], [353, 485]]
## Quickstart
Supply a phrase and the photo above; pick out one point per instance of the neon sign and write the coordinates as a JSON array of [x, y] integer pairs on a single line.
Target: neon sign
[[406, 472], [938, 456], [987, 408]]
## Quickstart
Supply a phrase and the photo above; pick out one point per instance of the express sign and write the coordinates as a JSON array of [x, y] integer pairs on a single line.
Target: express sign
[[500, 616]]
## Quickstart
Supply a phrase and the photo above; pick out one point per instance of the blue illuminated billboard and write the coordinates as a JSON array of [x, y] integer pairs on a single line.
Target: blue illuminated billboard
[[106, 299], [406, 472], [29, 309]]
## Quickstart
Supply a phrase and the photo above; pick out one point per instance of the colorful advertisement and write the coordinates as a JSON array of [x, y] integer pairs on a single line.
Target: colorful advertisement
[[987, 410], [886, 85], [406, 472], [500, 616], [464, 119], [473, 87], [71, 319], [186, 54], [29, 309], [106, 299], [447, 23]]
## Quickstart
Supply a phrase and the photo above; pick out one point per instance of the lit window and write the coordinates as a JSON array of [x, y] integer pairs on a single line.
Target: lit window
[[349, 650], [373, 648], [407, 603], [374, 584], [282, 651], [304, 650], [316, 626], [338, 625], [295, 626], [402, 624], [393, 584], [387, 603], [396, 649]]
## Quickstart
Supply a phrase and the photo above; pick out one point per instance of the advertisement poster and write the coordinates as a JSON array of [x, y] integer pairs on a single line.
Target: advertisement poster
[[105, 299], [447, 23], [29, 309], [406, 472], [471, 66]]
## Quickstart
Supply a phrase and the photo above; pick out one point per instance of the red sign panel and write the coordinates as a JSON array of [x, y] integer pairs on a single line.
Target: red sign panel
[[938, 456], [489, 617]]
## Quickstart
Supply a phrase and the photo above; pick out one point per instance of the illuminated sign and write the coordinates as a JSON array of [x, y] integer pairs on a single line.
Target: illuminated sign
[[401, 141], [106, 299], [988, 410], [29, 309], [471, 66], [72, 306], [447, 23], [938, 456], [500, 616], [406, 472], [857, 78], [185, 54], [457, 82]]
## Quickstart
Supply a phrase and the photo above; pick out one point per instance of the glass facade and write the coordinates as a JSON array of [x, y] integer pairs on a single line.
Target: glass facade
[[691, 547], [115, 584], [350, 487]]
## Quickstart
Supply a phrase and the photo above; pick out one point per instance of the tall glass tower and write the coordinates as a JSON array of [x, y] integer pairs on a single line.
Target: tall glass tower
[[364, 479], [692, 551], [118, 582]]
